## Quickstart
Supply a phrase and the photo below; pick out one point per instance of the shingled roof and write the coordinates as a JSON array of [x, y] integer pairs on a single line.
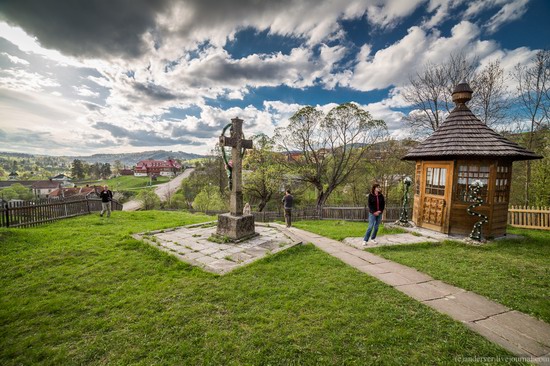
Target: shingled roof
[[463, 136]]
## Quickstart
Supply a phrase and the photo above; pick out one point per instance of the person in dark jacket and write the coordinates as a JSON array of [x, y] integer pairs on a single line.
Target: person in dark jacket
[[376, 203], [106, 197], [288, 200]]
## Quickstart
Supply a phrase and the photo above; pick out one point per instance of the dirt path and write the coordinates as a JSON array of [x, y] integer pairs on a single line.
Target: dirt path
[[162, 190]]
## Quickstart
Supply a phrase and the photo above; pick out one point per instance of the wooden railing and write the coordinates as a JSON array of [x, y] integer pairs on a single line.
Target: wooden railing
[[529, 217], [32, 213], [391, 214]]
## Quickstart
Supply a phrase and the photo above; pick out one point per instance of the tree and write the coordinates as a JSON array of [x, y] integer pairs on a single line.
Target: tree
[[266, 172], [533, 91], [148, 199], [429, 92], [118, 166], [209, 198], [94, 170], [491, 100], [8, 194], [209, 172], [329, 146], [23, 193], [77, 169], [105, 170]]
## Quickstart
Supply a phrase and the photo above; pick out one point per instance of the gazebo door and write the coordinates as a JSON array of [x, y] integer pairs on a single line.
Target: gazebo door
[[435, 195]]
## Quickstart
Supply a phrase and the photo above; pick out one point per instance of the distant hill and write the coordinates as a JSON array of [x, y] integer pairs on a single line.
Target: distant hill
[[130, 159]]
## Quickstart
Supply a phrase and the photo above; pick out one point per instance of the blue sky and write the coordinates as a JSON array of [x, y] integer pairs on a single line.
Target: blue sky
[[78, 78]]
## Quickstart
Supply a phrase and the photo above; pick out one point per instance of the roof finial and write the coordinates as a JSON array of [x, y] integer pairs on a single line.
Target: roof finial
[[462, 93]]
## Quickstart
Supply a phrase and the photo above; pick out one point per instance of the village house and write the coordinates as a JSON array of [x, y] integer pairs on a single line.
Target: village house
[[63, 179], [74, 192], [43, 188], [167, 168]]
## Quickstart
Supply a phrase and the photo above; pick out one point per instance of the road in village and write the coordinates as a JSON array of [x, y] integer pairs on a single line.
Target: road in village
[[162, 190]]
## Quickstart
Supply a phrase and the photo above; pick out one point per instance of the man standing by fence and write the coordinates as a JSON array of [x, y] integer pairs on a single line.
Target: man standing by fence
[[106, 197], [287, 204]]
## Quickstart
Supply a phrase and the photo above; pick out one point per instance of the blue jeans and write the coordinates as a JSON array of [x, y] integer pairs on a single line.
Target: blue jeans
[[374, 221]]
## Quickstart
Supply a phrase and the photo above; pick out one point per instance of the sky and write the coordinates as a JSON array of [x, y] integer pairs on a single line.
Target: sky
[[117, 76]]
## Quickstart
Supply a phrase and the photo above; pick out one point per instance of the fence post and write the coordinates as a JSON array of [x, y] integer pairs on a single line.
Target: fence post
[[88, 204], [7, 211]]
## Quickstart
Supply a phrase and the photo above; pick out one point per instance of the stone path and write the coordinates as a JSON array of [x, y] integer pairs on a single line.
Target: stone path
[[517, 332], [191, 245]]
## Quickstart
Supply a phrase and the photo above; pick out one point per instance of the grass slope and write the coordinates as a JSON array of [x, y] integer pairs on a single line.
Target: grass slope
[[82, 291], [339, 230], [513, 272]]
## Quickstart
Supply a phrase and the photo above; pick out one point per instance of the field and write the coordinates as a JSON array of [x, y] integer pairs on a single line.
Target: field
[[83, 291]]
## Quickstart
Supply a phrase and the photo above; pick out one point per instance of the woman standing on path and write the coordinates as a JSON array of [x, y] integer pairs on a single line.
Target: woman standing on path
[[376, 203]]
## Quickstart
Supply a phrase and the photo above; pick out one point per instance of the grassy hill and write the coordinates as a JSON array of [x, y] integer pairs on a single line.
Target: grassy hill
[[83, 291]]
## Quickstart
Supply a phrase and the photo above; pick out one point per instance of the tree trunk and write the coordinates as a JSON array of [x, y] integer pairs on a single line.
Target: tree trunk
[[261, 205]]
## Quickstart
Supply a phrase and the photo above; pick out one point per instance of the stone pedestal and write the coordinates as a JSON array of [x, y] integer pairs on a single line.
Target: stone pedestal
[[236, 227]]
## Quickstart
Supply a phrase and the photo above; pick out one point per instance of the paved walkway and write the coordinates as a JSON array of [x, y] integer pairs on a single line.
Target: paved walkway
[[517, 332]]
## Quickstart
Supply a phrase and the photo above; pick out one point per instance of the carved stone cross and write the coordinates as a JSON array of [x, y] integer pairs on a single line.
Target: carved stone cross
[[237, 144]]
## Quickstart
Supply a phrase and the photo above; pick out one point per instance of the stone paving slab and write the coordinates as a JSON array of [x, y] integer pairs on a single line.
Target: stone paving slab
[[191, 245], [527, 344], [386, 240], [517, 332]]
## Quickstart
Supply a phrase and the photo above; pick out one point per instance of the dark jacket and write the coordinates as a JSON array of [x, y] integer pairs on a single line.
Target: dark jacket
[[106, 196], [372, 203], [288, 200]]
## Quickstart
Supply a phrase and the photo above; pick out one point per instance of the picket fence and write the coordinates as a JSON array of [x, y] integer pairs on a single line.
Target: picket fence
[[529, 217], [360, 213], [32, 213]]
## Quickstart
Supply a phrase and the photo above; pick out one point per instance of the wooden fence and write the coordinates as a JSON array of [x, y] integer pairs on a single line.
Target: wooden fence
[[327, 213], [529, 217], [32, 213]]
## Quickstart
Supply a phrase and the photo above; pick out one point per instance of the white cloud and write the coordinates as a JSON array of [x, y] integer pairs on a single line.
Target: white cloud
[[22, 80], [15, 60], [393, 65], [509, 12]]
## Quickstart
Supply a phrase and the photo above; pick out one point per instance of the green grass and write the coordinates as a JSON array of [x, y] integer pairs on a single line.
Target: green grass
[[513, 272], [83, 291], [339, 230], [128, 182]]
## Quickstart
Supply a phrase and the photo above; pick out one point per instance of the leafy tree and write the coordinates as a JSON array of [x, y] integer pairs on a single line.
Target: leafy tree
[[94, 170], [9, 194], [266, 172], [118, 166], [77, 169], [149, 199], [105, 170], [533, 90], [323, 150], [209, 199], [23, 193], [209, 172]]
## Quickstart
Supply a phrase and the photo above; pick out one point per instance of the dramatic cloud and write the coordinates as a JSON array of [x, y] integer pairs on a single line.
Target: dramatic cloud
[[122, 75]]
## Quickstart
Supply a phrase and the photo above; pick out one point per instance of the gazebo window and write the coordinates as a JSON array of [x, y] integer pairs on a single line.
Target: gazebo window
[[467, 174], [435, 181], [502, 183]]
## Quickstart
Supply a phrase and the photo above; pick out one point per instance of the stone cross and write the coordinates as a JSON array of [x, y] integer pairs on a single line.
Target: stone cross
[[237, 143]]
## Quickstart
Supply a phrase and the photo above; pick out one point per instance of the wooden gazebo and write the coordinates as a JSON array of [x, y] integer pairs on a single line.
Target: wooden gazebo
[[462, 150]]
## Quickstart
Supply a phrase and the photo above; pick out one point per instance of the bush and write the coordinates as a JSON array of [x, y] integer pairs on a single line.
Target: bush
[[149, 199]]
